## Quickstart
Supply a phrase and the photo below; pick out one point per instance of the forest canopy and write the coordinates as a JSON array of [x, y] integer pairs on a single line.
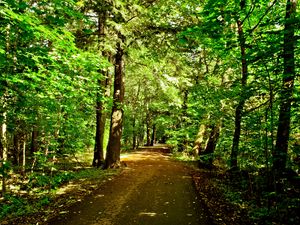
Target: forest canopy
[[217, 80]]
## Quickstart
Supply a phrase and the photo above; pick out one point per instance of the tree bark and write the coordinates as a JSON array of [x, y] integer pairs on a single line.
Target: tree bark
[[286, 95], [241, 103], [211, 144], [114, 144], [98, 159], [23, 172], [153, 135], [3, 157], [100, 127], [183, 144], [148, 124], [16, 153], [135, 125], [34, 139], [134, 141], [213, 139], [198, 146], [141, 135], [4, 138]]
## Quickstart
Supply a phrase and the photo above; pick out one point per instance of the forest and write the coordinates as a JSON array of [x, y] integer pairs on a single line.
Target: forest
[[82, 81]]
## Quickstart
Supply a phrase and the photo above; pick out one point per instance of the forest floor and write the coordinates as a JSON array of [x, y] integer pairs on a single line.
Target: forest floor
[[151, 189]]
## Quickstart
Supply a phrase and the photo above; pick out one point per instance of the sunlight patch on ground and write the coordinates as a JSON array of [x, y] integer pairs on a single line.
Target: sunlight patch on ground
[[186, 177], [151, 214], [125, 156], [65, 189], [142, 155]]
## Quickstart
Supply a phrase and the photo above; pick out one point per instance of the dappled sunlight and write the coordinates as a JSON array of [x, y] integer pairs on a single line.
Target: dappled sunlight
[[152, 153], [66, 189], [142, 156], [210, 101], [150, 214], [186, 177], [151, 189]]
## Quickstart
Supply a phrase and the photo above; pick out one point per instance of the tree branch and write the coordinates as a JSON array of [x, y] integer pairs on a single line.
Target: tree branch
[[255, 108], [263, 16], [249, 13]]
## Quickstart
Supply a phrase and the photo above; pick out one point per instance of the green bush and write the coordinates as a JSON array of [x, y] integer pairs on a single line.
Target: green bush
[[14, 205], [41, 180]]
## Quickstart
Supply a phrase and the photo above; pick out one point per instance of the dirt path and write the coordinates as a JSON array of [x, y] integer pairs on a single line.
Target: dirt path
[[152, 190]]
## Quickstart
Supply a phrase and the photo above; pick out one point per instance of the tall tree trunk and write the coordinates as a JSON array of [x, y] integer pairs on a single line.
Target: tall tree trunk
[[16, 153], [183, 144], [281, 148], [141, 135], [135, 126], [34, 139], [198, 146], [98, 149], [148, 124], [3, 157], [23, 171], [213, 139], [98, 159], [100, 129], [211, 144], [114, 143], [134, 141], [100, 126], [153, 135], [4, 137], [4, 144], [243, 96]]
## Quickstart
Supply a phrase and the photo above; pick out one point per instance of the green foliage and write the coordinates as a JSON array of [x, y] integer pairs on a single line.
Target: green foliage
[[18, 206], [42, 181], [5, 167], [49, 83], [43, 186], [14, 205], [184, 157], [183, 70], [94, 173]]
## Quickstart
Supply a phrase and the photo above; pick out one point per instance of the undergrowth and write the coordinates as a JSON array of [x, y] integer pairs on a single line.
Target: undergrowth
[[183, 156], [39, 190], [246, 195]]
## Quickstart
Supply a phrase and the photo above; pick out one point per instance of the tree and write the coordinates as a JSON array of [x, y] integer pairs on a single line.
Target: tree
[[104, 86], [286, 95], [112, 159], [46, 77], [243, 95]]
